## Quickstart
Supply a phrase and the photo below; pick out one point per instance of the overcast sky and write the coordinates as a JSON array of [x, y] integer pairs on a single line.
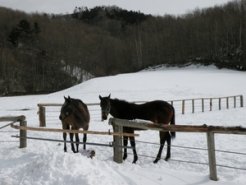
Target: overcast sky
[[154, 7]]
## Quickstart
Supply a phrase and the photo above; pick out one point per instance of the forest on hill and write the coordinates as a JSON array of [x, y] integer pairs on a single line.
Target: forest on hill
[[42, 53]]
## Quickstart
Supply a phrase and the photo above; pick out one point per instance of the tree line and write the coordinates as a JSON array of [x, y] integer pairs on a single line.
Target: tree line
[[42, 53]]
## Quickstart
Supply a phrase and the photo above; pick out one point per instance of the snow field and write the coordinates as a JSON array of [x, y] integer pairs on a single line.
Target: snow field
[[45, 163]]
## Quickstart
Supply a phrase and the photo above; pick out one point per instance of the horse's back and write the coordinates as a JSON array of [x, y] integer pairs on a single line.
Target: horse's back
[[157, 105], [82, 115], [84, 111], [157, 111]]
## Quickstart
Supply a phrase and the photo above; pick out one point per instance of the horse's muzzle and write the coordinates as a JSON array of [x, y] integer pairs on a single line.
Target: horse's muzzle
[[104, 117], [60, 117]]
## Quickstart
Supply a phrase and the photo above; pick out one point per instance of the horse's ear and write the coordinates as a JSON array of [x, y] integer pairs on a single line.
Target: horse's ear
[[69, 97], [109, 95], [100, 97], [65, 98]]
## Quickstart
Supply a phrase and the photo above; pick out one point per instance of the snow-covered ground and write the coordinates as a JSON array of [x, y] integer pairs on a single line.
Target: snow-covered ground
[[45, 163]]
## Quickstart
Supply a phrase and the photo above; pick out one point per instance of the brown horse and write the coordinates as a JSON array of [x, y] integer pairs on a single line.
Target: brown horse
[[74, 115], [158, 111]]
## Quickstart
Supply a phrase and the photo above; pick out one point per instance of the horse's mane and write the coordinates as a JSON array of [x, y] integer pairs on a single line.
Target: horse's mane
[[77, 102], [118, 100], [122, 102], [80, 107], [124, 108]]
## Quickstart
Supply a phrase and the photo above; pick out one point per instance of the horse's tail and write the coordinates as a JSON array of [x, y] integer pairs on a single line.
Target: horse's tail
[[173, 134]]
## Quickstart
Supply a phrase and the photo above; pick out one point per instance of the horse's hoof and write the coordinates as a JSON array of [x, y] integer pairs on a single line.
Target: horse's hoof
[[167, 158], [135, 160], [156, 161]]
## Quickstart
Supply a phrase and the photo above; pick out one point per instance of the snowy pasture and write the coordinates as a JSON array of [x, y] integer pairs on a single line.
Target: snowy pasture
[[45, 163]]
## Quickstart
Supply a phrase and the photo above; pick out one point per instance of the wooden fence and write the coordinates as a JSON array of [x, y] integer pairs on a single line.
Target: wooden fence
[[42, 111], [22, 120], [23, 128], [210, 103], [182, 106], [118, 125], [117, 133]]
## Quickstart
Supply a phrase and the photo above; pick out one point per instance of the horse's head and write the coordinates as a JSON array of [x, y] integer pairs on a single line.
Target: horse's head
[[66, 109], [105, 106]]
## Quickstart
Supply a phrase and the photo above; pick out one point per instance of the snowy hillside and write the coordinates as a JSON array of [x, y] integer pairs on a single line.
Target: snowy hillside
[[45, 163]]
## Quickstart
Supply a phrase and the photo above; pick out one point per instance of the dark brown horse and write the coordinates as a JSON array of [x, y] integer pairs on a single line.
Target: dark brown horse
[[74, 115], [158, 111]]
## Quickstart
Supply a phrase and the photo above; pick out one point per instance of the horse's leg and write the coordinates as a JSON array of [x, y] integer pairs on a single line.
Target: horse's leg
[[64, 126], [162, 142], [65, 138], [168, 137], [125, 141], [133, 145], [77, 141], [72, 145], [84, 141]]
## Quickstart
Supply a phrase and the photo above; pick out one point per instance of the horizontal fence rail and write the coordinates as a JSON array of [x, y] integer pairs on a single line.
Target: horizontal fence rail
[[7, 125], [22, 120], [146, 125], [118, 125], [23, 128], [72, 131], [182, 106], [117, 133], [12, 118], [75, 142], [193, 148]]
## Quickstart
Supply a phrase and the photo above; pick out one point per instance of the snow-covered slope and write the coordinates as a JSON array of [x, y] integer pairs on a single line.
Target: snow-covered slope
[[45, 163]]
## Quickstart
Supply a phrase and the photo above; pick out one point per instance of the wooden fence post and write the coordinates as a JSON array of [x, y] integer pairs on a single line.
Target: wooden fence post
[[211, 104], [42, 121], [235, 101], [23, 134], [227, 102], [241, 100], [183, 106], [219, 103], [193, 106], [211, 156], [117, 143], [202, 105]]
